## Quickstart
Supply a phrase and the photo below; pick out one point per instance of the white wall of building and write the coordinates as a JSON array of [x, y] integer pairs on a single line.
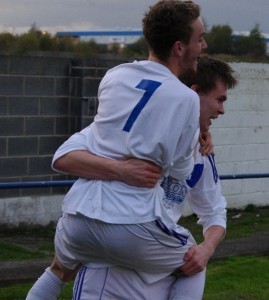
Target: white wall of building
[[241, 137], [39, 210]]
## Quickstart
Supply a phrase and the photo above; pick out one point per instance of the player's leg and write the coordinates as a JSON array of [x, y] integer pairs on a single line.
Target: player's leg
[[50, 283], [188, 288], [116, 283], [47, 287], [144, 247], [62, 272], [147, 248]]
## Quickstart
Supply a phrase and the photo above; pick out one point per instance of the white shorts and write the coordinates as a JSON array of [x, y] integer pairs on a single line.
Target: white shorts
[[116, 283], [153, 252]]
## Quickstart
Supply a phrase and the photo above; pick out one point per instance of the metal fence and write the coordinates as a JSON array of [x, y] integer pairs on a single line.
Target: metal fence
[[61, 183]]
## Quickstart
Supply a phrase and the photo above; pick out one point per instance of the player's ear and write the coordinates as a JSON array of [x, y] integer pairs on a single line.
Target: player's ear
[[195, 87], [178, 48]]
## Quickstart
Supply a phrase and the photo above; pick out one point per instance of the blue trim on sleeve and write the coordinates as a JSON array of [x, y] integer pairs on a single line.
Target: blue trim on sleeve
[[214, 169], [195, 175]]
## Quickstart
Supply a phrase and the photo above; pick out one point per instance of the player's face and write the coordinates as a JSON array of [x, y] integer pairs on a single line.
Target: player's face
[[195, 47], [212, 105]]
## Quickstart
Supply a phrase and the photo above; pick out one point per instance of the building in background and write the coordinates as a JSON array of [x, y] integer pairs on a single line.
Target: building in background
[[105, 37]]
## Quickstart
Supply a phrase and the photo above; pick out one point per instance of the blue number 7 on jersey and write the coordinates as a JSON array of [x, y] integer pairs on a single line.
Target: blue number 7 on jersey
[[150, 87]]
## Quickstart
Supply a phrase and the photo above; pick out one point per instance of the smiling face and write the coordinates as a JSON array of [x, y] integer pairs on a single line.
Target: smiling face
[[211, 81], [192, 50], [212, 104]]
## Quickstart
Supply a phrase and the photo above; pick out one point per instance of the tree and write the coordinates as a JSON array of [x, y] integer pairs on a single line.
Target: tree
[[219, 40], [253, 45], [27, 42], [138, 49], [89, 48], [47, 43], [7, 42]]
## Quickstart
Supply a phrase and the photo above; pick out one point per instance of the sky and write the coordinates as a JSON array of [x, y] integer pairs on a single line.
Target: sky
[[17, 16]]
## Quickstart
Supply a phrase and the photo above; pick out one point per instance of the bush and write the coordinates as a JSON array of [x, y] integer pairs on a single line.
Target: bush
[[253, 45], [219, 40]]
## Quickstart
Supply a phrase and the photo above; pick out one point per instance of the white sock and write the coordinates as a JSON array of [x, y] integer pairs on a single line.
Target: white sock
[[47, 287]]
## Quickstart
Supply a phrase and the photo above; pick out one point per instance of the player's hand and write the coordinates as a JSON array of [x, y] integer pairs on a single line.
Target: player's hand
[[196, 259], [140, 173], [205, 140]]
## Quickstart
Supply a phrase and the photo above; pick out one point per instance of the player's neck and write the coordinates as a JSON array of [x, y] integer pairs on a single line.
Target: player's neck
[[168, 64]]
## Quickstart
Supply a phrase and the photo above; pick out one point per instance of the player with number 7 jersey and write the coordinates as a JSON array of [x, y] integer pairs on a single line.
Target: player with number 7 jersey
[[144, 112], [154, 119]]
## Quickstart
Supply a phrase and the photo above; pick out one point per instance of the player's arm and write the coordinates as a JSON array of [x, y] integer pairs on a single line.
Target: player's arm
[[209, 205], [73, 157], [198, 256], [132, 171]]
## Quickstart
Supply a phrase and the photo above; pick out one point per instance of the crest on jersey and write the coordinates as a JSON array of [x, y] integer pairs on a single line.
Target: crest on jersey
[[175, 191]]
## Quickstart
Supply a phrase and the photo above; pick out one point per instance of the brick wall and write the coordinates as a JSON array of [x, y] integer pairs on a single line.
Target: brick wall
[[43, 100]]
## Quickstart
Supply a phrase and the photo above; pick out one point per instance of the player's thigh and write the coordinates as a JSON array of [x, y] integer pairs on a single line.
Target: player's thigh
[[144, 247], [159, 250], [69, 243]]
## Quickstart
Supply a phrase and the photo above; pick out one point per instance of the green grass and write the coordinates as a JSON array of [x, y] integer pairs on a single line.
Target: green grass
[[14, 252], [234, 278], [26, 242], [19, 291], [238, 278], [251, 221]]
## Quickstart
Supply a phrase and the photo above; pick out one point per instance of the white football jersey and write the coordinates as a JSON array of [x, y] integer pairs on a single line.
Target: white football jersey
[[144, 112], [202, 191]]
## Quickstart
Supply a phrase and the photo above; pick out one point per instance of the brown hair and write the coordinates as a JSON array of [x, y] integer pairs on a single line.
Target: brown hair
[[169, 21], [209, 71]]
